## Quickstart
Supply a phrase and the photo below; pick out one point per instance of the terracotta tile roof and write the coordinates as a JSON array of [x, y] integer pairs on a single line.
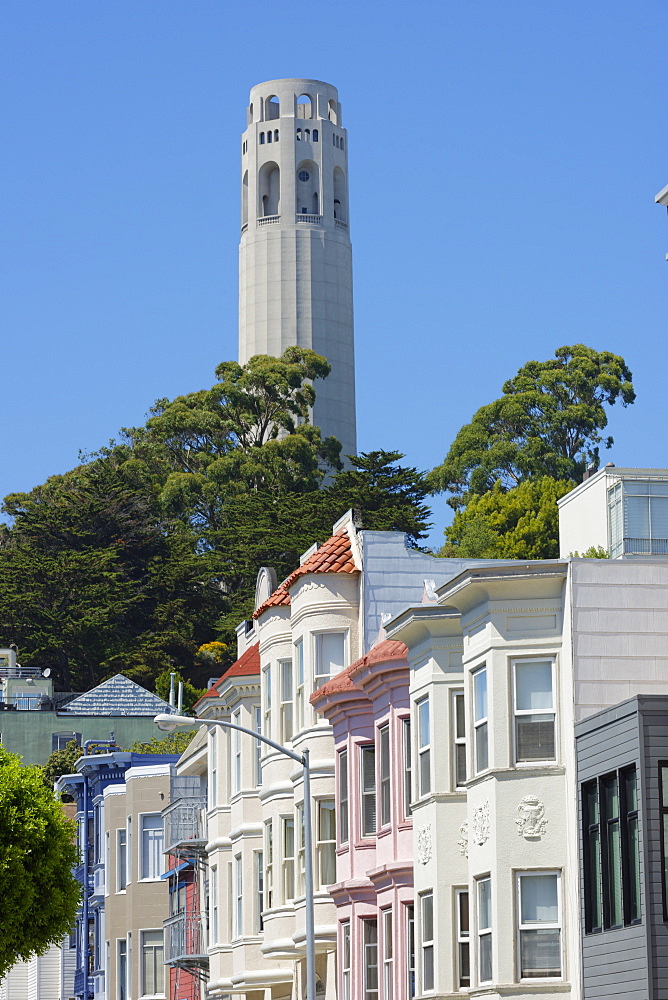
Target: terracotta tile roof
[[384, 652], [334, 556], [248, 664], [337, 685]]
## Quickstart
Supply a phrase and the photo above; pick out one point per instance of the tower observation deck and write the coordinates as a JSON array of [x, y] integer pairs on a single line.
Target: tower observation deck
[[295, 255]]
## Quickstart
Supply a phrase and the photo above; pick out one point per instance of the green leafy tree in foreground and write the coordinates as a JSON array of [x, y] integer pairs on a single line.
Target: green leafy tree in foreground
[[40, 895], [61, 762], [190, 692], [174, 743], [548, 422], [522, 523]]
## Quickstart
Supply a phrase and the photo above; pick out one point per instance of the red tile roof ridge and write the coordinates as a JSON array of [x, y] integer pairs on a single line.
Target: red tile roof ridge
[[248, 664], [337, 685], [384, 652]]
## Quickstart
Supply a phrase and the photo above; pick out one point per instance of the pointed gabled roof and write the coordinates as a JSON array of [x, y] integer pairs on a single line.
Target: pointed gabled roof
[[334, 556], [117, 696]]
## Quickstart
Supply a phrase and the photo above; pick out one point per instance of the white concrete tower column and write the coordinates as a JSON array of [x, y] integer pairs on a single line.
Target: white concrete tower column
[[295, 256]]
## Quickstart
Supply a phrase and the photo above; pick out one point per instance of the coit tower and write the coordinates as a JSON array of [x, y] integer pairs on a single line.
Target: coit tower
[[295, 256]]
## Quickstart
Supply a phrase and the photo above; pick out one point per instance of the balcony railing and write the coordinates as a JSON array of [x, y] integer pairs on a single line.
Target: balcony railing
[[314, 220], [185, 939], [184, 824], [268, 220], [341, 224]]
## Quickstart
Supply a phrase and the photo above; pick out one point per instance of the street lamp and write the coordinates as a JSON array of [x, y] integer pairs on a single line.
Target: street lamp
[[168, 723]]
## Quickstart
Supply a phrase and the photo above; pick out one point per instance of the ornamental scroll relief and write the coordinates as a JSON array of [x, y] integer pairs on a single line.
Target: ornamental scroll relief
[[480, 824], [463, 842], [531, 822], [424, 846]]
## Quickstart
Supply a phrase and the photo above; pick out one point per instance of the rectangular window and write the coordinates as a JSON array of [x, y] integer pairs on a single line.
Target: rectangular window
[[121, 860], [539, 926], [107, 862], [257, 724], [663, 772], [424, 747], [213, 904], [388, 954], [288, 859], [330, 651], [326, 844], [122, 969], [300, 887], [484, 930], [368, 769], [370, 962], [480, 738], [534, 711], [592, 857], [612, 851], [236, 752], [427, 939], [285, 670], [151, 846], [267, 701], [60, 740], [459, 738], [269, 866], [631, 846], [152, 969], [385, 800], [463, 953], [408, 767], [238, 896], [259, 892], [345, 960], [128, 854], [299, 674], [410, 948], [213, 768], [343, 797]]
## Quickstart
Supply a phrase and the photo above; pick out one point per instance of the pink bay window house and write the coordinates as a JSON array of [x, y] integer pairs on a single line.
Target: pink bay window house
[[368, 707]]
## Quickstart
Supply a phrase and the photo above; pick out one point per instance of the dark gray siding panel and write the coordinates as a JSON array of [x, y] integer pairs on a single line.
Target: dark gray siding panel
[[654, 715], [614, 962]]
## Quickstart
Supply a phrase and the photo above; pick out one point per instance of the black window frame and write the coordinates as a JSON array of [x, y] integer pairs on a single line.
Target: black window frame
[[663, 811]]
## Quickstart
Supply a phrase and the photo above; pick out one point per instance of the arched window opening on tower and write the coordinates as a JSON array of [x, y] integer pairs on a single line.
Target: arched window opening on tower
[[269, 189], [304, 106], [262, 138], [340, 200], [275, 135], [250, 114], [299, 135], [307, 134], [269, 136], [341, 142], [272, 108], [244, 200], [331, 113], [315, 135], [308, 187]]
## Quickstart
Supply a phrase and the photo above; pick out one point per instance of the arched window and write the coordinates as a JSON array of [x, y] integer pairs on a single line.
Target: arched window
[[340, 200], [262, 138], [338, 142], [333, 140], [269, 136], [304, 106], [275, 135], [269, 189], [315, 135], [272, 108], [244, 200], [250, 114], [307, 134], [331, 112], [341, 142], [307, 197], [299, 135]]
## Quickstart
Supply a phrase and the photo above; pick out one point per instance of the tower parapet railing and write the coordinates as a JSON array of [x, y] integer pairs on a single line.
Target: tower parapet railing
[[268, 220], [314, 220]]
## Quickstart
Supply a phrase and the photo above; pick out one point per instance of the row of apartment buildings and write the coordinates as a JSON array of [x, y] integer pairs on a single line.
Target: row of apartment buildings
[[489, 773]]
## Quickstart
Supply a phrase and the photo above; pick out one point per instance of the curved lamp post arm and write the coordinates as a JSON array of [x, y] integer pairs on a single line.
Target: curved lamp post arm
[[170, 722]]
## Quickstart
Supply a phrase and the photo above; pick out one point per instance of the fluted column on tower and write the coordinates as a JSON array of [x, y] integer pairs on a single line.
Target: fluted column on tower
[[295, 256]]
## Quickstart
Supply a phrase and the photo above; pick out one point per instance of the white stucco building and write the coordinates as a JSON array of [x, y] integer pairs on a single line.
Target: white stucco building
[[295, 255]]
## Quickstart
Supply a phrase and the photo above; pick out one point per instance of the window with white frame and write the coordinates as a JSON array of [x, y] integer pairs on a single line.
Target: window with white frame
[[463, 941], [151, 845], [152, 968], [427, 940], [213, 904], [368, 776], [484, 888], [300, 887], [326, 843], [424, 747], [107, 862], [345, 960], [128, 852], [267, 700], [343, 796], [288, 859], [285, 672], [370, 958], [259, 891], [238, 896], [534, 710], [539, 925], [269, 865], [459, 738], [385, 800], [299, 678], [122, 966], [236, 752], [410, 948], [388, 953], [121, 860], [480, 728], [408, 766], [213, 768], [330, 653], [257, 725]]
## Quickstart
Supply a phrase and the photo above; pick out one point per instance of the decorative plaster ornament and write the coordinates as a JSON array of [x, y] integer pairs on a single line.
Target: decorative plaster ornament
[[463, 842], [424, 844], [531, 822], [480, 824]]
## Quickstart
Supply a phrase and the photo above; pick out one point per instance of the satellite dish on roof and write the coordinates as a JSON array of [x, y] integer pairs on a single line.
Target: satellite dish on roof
[[47, 672]]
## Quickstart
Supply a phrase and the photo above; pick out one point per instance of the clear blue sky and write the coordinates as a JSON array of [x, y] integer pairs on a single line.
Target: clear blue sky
[[503, 156]]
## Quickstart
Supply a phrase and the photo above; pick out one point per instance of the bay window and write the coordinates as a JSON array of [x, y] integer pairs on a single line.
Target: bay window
[[330, 650], [384, 747], [326, 843], [370, 962], [539, 925], [534, 710], [424, 747], [427, 939], [463, 944], [285, 671], [459, 738], [484, 886], [480, 722], [343, 797], [368, 779]]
